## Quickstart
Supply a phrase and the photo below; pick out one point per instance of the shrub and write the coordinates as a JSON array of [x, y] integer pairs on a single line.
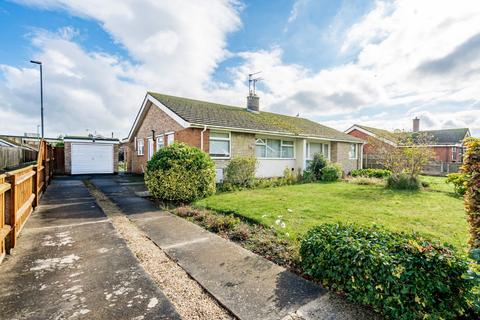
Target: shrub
[[365, 181], [240, 172], [316, 165], [180, 173], [220, 223], [371, 173], [403, 181], [471, 168], [402, 276], [332, 172], [459, 182]]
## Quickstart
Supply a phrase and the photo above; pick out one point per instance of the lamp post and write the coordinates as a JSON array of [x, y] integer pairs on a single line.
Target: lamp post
[[41, 92]]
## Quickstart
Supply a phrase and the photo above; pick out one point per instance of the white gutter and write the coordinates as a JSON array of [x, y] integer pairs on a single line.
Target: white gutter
[[276, 133], [201, 137]]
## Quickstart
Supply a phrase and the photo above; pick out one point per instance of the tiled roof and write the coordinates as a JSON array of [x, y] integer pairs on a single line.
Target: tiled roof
[[438, 137], [379, 132], [214, 114], [447, 136]]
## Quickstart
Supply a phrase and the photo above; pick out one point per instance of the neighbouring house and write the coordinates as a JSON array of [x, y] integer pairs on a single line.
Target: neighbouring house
[[447, 144], [91, 155], [14, 153], [28, 140], [278, 141]]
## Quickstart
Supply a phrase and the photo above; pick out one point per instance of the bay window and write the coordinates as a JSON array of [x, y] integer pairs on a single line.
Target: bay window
[[274, 149], [219, 144]]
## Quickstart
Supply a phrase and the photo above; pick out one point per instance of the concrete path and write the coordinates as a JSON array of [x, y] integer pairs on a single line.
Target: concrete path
[[71, 264], [250, 286]]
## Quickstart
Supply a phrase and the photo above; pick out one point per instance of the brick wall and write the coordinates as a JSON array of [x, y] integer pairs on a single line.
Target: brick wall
[[68, 157], [339, 154], [243, 145], [115, 158], [155, 119]]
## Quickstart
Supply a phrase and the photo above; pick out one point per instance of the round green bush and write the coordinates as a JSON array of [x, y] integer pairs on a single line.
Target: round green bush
[[402, 276], [332, 172], [180, 173], [403, 181], [240, 171]]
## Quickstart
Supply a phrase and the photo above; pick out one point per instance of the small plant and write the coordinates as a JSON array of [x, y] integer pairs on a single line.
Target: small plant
[[241, 232], [332, 172], [366, 181], [403, 181], [240, 172], [459, 182], [220, 223], [316, 165], [371, 173], [402, 276], [180, 173]]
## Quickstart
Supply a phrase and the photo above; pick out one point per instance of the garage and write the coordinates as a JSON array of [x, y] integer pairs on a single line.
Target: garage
[[91, 155]]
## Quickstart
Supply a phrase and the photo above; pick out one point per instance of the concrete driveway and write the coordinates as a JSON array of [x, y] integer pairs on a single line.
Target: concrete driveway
[[70, 263]]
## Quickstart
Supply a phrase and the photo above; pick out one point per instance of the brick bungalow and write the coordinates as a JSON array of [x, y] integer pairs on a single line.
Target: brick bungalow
[[278, 141], [447, 144]]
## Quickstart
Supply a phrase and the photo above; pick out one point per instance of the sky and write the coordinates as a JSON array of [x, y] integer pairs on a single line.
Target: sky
[[376, 63]]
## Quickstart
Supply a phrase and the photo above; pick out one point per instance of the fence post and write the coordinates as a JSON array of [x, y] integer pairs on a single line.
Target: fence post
[[35, 186], [13, 210]]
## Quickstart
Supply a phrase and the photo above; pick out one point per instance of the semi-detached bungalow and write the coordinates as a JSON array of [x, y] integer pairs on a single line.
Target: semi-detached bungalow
[[278, 141]]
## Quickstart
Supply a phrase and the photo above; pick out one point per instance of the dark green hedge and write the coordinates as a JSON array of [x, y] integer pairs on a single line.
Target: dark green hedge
[[401, 276], [180, 173]]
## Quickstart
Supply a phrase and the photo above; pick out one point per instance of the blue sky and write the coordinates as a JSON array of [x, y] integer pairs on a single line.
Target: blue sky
[[377, 63]]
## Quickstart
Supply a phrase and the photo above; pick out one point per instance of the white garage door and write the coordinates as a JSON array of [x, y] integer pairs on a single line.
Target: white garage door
[[92, 158]]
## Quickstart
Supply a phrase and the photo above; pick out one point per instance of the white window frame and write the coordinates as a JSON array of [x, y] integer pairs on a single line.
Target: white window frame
[[229, 139], [150, 147], [160, 145], [140, 146], [323, 144], [170, 140], [350, 151], [454, 153], [282, 145]]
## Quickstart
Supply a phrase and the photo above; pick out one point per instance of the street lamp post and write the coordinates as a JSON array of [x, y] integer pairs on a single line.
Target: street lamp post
[[41, 92]]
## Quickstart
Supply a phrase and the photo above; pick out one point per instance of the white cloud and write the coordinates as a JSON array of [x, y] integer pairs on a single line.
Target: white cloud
[[176, 46], [412, 58]]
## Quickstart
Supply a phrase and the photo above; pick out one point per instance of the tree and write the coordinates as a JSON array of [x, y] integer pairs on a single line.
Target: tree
[[409, 153]]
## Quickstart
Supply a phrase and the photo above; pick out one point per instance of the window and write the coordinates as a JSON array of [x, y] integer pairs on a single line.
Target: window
[[150, 148], [160, 142], [170, 138], [274, 149], [352, 154], [219, 144], [314, 147], [454, 153], [140, 147]]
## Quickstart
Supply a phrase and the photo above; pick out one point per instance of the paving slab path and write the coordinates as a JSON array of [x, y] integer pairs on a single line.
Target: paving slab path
[[248, 285], [70, 263]]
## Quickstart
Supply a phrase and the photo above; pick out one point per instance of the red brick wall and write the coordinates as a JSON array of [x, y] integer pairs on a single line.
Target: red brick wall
[[367, 149], [157, 120]]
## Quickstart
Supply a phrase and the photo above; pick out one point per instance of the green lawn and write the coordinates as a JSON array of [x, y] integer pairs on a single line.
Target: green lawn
[[293, 210]]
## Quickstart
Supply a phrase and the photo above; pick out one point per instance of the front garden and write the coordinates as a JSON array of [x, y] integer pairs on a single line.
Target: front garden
[[392, 240]]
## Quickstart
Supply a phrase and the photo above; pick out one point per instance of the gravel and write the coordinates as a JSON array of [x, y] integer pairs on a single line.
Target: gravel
[[190, 300]]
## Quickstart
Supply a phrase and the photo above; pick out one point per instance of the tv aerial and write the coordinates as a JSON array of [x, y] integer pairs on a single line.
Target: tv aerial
[[252, 82]]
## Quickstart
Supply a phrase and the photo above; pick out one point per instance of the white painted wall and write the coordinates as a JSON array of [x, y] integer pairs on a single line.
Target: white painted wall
[[274, 167]]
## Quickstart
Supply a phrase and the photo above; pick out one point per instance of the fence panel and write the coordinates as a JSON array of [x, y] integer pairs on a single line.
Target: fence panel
[[22, 196], [4, 228], [13, 157]]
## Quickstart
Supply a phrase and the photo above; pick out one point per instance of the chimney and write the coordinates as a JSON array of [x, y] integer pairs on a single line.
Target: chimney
[[416, 124], [253, 103]]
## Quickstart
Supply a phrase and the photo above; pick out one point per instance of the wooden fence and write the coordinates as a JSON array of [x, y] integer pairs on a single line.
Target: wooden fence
[[20, 191], [12, 157]]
